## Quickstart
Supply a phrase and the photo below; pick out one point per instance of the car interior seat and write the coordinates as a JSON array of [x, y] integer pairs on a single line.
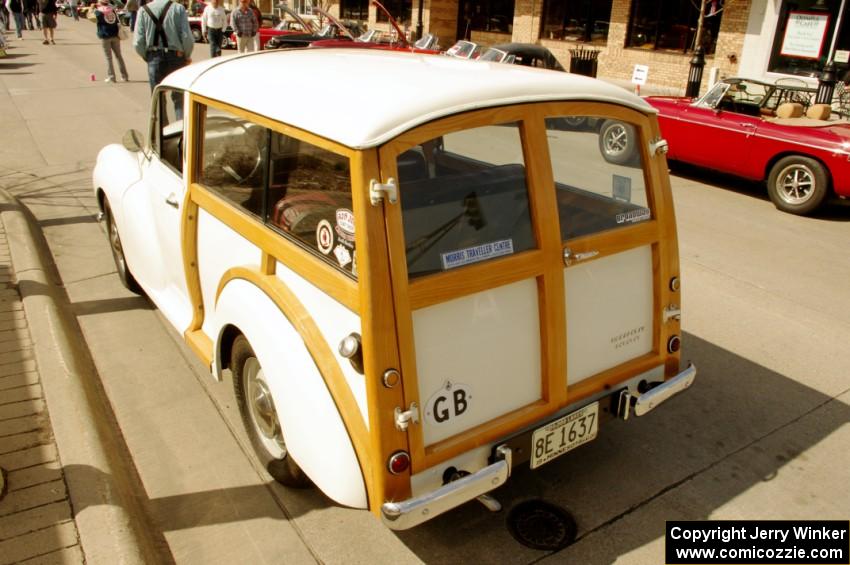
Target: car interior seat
[[789, 110]]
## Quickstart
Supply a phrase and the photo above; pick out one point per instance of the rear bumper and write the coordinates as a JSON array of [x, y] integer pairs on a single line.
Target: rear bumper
[[414, 511]]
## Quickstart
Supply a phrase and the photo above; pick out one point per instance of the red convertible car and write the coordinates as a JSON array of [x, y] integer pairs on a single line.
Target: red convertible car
[[742, 127]]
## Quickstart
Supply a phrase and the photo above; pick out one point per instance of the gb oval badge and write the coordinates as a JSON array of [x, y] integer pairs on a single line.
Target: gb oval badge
[[449, 403]]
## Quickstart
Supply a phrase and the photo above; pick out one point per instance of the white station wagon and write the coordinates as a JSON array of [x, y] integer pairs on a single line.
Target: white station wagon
[[417, 282]]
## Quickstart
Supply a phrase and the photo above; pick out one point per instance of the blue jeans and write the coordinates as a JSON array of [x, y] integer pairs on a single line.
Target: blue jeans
[[19, 23], [161, 64], [133, 15], [214, 36]]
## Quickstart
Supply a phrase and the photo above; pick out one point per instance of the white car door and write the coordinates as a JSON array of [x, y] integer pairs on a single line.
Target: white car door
[[156, 249]]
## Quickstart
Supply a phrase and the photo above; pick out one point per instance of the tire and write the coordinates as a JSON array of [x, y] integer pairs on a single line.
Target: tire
[[797, 185], [260, 417], [225, 42], [197, 35], [124, 274], [617, 142]]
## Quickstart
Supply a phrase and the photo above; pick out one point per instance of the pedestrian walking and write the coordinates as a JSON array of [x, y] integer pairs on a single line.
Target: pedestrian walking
[[108, 27], [132, 7], [213, 20], [73, 5], [31, 13], [244, 22], [48, 19], [16, 8], [163, 39], [4, 16], [259, 16]]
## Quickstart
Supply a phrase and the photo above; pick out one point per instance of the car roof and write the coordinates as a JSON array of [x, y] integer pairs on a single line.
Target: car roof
[[363, 98]]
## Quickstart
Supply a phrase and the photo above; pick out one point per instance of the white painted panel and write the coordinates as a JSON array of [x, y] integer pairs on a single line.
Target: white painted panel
[[335, 321], [312, 428], [219, 248], [484, 348], [609, 312]]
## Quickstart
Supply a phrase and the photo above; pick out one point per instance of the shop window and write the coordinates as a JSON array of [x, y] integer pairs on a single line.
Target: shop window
[[495, 16], [577, 20], [399, 9], [354, 10], [672, 25], [803, 37]]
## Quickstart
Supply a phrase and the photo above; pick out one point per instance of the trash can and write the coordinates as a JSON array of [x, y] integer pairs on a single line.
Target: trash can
[[583, 61]]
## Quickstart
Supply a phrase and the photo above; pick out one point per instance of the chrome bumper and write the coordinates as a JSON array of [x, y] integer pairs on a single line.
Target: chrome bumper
[[653, 398], [414, 511]]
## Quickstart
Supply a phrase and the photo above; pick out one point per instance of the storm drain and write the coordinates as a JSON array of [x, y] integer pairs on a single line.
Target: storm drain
[[540, 525]]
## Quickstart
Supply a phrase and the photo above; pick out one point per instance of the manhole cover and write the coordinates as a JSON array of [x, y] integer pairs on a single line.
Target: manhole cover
[[541, 525]]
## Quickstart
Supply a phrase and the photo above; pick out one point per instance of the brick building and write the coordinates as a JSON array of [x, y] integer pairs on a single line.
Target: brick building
[[760, 39]]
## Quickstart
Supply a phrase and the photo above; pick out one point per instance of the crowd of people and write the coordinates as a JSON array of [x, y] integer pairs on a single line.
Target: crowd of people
[[162, 36]]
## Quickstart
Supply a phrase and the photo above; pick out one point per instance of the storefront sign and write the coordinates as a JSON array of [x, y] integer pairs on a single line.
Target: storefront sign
[[805, 35], [842, 56], [639, 75]]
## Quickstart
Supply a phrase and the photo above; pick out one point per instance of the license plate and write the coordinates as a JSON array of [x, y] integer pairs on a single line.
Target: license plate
[[556, 438]]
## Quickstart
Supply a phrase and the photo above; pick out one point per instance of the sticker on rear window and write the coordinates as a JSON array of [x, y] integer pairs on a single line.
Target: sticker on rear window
[[633, 216], [478, 253]]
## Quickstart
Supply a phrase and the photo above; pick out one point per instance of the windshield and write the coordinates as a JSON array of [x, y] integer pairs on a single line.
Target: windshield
[[713, 96], [494, 55], [462, 49]]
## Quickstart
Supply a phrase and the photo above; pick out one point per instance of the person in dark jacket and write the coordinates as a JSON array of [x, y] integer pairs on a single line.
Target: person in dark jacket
[[107, 30], [48, 19], [31, 13]]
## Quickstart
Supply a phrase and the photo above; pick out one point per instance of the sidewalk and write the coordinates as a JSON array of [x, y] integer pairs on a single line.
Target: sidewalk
[[36, 518]]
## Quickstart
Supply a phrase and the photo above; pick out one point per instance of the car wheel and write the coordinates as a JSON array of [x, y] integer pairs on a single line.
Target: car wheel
[[797, 185], [617, 142], [197, 35], [124, 274], [260, 416]]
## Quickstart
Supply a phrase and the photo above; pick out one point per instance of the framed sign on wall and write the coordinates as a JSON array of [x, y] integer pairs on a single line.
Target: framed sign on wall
[[805, 35]]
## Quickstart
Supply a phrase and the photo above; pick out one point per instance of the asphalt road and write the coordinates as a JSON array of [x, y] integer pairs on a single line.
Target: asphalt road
[[761, 435]]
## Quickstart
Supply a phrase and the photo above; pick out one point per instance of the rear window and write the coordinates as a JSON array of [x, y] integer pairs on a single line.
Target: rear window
[[598, 171], [464, 199]]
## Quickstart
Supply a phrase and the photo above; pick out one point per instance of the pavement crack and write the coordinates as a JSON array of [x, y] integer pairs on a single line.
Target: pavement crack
[[691, 476]]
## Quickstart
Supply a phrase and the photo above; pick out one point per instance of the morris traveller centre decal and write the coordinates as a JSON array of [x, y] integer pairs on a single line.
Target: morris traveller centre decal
[[478, 253], [629, 337], [345, 224], [448, 403], [633, 216]]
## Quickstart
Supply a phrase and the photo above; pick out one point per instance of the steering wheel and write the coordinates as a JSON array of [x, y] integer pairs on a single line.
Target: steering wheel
[[234, 153]]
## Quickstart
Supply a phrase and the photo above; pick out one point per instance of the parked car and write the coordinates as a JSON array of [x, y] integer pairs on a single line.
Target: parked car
[[733, 128], [375, 39], [334, 29], [525, 54], [274, 25], [414, 298], [464, 50]]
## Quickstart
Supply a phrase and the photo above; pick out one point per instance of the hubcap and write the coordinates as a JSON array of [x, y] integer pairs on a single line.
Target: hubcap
[[115, 242], [795, 184], [616, 139], [262, 410]]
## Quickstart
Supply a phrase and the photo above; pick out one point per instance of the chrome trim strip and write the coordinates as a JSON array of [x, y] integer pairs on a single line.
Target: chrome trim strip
[[653, 398], [414, 511]]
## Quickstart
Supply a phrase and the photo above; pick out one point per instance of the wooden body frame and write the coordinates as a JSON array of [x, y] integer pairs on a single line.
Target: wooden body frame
[[545, 264], [387, 330]]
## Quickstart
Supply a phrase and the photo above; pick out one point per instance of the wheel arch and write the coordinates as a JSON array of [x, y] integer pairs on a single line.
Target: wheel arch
[[779, 156], [321, 440]]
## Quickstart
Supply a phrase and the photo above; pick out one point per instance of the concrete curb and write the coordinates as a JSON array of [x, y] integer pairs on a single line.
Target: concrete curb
[[112, 523]]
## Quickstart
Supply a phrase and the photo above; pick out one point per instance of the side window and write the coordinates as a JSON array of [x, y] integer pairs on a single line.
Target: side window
[[233, 160], [598, 173], [297, 188], [309, 199], [168, 128], [464, 199]]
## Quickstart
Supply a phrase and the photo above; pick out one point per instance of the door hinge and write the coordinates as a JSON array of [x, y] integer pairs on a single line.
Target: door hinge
[[403, 419], [672, 312], [658, 146], [379, 191]]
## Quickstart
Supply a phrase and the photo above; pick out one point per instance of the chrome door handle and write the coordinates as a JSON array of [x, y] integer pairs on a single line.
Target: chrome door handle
[[747, 125], [172, 201], [570, 257]]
